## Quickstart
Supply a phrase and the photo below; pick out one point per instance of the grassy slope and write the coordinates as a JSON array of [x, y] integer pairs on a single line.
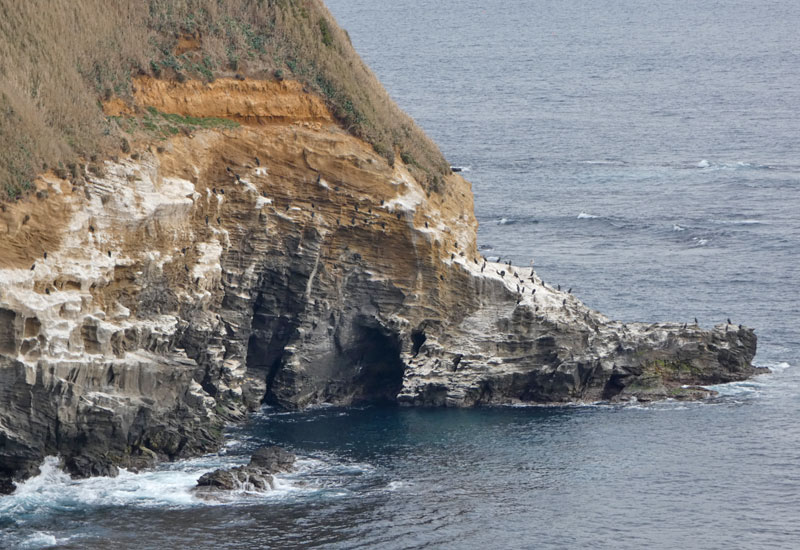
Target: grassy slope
[[58, 58]]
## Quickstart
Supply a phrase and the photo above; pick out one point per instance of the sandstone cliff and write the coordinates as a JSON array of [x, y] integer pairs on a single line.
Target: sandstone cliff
[[145, 303]]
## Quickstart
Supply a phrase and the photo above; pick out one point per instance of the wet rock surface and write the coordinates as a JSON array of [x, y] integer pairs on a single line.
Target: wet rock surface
[[177, 297], [256, 476]]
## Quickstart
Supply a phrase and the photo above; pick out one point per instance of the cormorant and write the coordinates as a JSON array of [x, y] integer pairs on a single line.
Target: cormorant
[[33, 266], [45, 255], [695, 320], [569, 291], [258, 162], [502, 273], [559, 287], [729, 320]]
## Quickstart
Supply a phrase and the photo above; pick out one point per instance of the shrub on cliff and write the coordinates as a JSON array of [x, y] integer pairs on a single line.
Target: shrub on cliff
[[59, 58]]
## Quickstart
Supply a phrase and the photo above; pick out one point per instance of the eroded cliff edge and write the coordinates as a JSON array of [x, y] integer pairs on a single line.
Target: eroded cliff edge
[[283, 261]]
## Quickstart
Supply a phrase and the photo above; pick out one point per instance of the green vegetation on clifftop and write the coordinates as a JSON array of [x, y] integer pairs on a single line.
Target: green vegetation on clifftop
[[59, 58]]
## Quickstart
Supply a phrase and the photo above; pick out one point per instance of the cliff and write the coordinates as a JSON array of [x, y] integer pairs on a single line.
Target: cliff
[[254, 242], [144, 304]]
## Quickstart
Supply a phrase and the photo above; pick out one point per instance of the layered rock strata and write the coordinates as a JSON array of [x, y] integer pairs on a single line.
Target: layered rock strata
[[283, 261]]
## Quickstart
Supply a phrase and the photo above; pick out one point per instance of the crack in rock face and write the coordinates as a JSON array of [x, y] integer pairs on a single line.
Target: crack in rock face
[[285, 262]]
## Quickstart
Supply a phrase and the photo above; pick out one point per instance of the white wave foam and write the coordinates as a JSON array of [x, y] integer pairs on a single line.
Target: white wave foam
[[586, 216], [778, 366], [705, 164], [739, 222], [54, 490], [606, 162], [171, 486], [676, 227], [41, 540], [503, 221], [397, 486]]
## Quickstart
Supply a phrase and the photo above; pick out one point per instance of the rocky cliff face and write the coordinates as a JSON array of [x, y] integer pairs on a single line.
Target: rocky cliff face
[[144, 304]]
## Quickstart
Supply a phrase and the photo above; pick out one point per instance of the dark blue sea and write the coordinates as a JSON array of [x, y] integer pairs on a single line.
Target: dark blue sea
[[646, 154]]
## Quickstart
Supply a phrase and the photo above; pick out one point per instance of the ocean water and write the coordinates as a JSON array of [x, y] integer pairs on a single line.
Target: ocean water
[[645, 154]]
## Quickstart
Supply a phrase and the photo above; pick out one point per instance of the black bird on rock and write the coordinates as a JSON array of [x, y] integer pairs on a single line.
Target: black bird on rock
[[729, 320], [695, 320], [258, 162]]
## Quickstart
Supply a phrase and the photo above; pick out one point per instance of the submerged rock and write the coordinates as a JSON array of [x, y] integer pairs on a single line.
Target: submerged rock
[[256, 476]]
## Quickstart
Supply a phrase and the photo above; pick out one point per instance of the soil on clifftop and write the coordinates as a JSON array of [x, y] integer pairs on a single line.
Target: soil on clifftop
[[59, 63]]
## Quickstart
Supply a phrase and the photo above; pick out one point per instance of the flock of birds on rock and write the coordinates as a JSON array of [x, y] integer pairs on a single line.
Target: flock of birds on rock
[[520, 289]]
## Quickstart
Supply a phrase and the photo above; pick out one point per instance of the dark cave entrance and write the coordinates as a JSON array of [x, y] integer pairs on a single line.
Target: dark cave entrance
[[378, 366], [614, 386], [418, 339]]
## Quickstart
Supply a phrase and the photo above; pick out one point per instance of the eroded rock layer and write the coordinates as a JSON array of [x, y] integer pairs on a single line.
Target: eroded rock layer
[[283, 261]]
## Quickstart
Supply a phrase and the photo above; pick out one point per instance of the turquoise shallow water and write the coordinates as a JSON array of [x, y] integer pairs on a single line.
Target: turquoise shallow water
[[645, 155]]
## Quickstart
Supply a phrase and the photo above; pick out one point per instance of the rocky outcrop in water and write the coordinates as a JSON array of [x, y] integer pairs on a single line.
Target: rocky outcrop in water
[[254, 477], [144, 304]]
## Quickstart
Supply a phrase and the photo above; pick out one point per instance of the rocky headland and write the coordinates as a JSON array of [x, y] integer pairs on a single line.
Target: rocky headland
[[273, 257]]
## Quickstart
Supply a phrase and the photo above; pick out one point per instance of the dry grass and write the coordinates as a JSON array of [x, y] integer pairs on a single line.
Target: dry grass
[[58, 58]]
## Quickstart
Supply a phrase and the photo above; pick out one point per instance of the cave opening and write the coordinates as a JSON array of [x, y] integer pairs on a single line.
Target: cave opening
[[418, 339], [614, 386], [379, 365]]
